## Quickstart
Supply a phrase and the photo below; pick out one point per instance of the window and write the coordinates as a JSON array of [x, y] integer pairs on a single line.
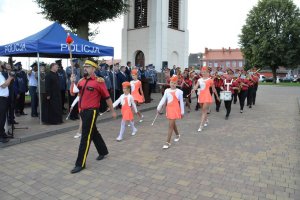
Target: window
[[140, 59], [233, 63], [173, 21], [215, 64], [140, 13], [240, 63], [227, 63]]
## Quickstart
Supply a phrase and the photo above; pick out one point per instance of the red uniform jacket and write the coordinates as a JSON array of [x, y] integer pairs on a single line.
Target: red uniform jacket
[[91, 92]]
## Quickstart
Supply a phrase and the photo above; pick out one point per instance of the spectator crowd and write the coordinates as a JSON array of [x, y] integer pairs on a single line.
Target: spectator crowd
[[53, 89]]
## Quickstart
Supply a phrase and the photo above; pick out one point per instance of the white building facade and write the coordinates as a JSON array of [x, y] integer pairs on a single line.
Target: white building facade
[[155, 32]]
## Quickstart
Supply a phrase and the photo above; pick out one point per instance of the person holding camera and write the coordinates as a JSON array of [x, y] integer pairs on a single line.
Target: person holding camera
[[12, 94], [4, 94], [33, 89]]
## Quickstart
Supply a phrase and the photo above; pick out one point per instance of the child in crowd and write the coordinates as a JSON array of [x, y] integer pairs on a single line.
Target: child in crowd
[[204, 95], [127, 102], [174, 109], [137, 91]]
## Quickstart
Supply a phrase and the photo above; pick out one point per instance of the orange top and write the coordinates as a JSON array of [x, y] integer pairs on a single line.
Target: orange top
[[173, 108], [135, 91], [126, 111], [205, 96]]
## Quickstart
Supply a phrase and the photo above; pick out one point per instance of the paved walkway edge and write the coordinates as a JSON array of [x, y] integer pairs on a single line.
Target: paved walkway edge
[[298, 100], [59, 131]]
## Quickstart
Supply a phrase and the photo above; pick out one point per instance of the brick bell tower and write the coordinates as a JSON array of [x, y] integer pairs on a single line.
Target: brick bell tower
[[155, 32]]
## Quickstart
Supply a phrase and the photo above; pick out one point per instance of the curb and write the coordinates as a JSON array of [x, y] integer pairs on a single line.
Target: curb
[[41, 135]]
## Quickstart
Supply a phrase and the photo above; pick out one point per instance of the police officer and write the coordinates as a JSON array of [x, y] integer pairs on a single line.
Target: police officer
[[91, 90]]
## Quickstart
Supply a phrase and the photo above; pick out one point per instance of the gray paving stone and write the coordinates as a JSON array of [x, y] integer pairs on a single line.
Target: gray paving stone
[[254, 155]]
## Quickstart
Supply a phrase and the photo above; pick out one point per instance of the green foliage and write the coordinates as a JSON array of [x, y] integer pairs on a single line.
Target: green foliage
[[78, 13], [271, 35]]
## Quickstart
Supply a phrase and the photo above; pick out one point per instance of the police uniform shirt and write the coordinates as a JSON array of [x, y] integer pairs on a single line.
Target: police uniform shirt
[[93, 92], [3, 91], [32, 80]]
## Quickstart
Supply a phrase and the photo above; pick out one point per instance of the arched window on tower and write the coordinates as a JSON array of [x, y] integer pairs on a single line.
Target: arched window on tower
[[173, 21], [140, 59], [140, 13]]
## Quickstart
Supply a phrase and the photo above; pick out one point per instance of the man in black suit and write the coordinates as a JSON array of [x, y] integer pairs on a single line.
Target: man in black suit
[[122, 77], [128, 68], [173, 71]]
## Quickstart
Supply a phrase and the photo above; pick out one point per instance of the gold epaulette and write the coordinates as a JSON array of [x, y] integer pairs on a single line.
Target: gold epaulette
[[100, 79]]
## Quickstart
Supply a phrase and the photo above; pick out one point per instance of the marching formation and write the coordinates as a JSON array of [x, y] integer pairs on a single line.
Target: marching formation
[[225, 85]]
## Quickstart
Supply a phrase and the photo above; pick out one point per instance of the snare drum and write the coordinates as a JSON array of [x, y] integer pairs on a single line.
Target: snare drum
[[225, 95]]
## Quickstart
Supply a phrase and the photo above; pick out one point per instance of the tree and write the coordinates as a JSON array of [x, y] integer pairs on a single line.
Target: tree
[[271, 35], [77, 14]]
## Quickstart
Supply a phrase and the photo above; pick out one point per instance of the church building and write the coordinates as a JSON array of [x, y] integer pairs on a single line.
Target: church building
[[155, 32]]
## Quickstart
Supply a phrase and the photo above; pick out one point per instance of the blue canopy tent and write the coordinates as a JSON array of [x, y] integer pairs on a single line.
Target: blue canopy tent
[[51, 43]]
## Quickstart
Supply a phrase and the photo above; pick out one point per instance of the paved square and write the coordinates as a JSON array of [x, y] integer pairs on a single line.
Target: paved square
[[254, 155]]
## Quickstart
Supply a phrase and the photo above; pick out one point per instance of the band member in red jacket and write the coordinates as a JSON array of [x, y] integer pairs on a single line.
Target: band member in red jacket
[[256, 78], [229, 80], [218, 81], [243, 89], [186, 87]]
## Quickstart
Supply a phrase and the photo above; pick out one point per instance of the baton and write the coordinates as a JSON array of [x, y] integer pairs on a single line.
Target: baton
[[154, 119], [189, 94], [69, 113], [104, 112], [72, 106]]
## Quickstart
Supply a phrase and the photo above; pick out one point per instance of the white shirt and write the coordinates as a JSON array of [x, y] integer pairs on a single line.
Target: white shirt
[[4, 92], [31, 79]]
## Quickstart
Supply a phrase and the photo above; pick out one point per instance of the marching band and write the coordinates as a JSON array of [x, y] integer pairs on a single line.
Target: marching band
[[226, 85]]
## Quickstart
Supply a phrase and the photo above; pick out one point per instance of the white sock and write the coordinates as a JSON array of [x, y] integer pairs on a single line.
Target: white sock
[[122, 130], [132, 126]]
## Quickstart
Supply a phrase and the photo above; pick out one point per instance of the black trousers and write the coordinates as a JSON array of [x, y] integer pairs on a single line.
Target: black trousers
[[254, 94], [218, 103], [34, 99], [235, 96], [250, 96], [11, 108], [20, 102], [89, 133], [228, 106], [151, 89], [146, 88], [63, 98], [74, 113], [3, 112], [242, 96], [197, 103]]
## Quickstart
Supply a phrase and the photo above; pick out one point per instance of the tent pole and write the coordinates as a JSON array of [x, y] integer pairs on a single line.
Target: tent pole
[[39, 87], [114, 81]]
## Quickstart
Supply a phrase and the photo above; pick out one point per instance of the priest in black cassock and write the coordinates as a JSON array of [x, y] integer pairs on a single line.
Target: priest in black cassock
[[53, 107]]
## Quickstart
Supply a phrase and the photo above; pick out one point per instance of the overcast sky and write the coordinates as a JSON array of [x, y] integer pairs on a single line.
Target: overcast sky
[[211, 23]]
